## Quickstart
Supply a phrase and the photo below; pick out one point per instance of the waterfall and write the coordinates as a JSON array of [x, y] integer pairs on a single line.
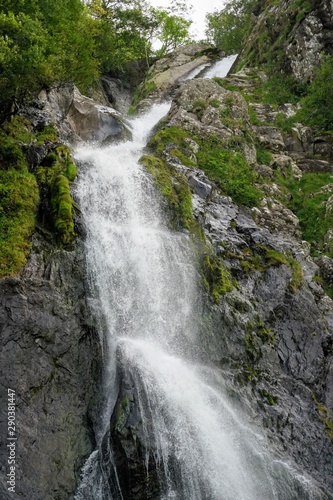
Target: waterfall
[[147, 299]]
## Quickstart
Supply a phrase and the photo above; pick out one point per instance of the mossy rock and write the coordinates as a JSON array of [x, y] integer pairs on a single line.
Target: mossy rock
[[174, 189]]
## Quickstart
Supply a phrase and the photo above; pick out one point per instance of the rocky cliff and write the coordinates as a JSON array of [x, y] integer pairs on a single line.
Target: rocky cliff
[[50, 350], [268, 315]]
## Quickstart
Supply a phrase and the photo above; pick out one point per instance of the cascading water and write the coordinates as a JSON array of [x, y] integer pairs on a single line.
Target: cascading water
[[148, 302]]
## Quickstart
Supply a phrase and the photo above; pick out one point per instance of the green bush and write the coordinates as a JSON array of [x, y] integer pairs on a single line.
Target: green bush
[[317, 106], [229, 169]]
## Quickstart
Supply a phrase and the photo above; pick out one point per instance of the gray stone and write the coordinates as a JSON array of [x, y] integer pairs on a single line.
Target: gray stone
[[50, 356]]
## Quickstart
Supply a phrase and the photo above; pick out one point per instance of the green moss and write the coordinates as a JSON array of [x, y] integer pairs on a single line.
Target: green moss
[[48, 134], [268, 398], [62, 207], [122, 413], [260, 258], [18, 206], [20, 129], [55, 176], [18, 197], [216, 277], [199, 106], [174, 189], [325, 416], [11, 154], [169, 135]]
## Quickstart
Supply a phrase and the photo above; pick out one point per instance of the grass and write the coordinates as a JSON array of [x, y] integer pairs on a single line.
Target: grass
[[229, 170], [309, 204], [264, 156]]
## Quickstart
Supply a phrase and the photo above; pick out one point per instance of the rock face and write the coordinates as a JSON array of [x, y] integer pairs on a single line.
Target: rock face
[[76, 117], [50, 357], [292, 34]]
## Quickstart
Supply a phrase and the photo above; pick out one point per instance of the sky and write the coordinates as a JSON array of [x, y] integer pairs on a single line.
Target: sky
[[198, 13]]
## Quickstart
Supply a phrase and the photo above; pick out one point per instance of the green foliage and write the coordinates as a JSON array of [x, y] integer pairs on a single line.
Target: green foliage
[[216, 277], [225, 85], [169, 135], [279, 89], [253, 117], [229, 169], [283, 123], [128, 30], [317, 106], [173, 188], [226, 28], [264, 156], [308, 202], [41, 44], [173, 31]]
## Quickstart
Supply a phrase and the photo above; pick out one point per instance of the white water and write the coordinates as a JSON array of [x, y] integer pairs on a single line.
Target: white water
[[148, 302], [221, 68]]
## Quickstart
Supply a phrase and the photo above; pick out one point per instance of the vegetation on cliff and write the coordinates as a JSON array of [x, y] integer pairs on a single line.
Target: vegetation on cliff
[[42, 44]]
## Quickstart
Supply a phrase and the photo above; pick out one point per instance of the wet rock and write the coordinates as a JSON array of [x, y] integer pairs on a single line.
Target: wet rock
[[94, 122], [50, 356], [119, 96]]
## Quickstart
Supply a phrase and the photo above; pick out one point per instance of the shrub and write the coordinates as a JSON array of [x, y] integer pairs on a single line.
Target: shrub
[[317, 106], [229, 169]]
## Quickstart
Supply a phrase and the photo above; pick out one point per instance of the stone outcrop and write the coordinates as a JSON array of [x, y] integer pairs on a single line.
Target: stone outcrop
[[76, 117], [50, 358], [291, 34]]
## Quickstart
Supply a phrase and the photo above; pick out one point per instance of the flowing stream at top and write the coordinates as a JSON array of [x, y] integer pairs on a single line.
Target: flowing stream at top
[[148, 304]]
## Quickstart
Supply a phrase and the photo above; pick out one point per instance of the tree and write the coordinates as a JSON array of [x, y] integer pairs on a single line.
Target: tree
[[226, 28], [42, 42]]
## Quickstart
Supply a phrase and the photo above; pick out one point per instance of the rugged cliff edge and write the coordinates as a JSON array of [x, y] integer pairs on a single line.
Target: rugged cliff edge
[[268, 322], [50, 350]]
